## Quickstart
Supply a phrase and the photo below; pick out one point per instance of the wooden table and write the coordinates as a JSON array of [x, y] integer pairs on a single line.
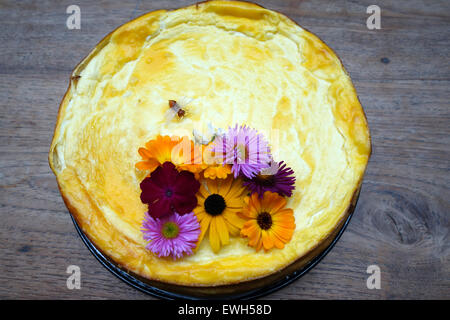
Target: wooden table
[[401, 73]]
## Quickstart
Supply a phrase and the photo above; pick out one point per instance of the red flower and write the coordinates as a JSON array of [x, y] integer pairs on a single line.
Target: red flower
[[167, 191]]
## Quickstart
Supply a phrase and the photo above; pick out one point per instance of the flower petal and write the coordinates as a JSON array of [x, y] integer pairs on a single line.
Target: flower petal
[[283, 234], [150, 191], [167, 174], [267, 240], [253, 232], [145, 154], [145, 165], [184, 203], [237, 190], [185, 183], [285, 219], [224, 186], [259, 244], [231, 217], [276, 241], [233, 230], [159, 208], [247, 213], [161, 176], [277, 203], [254, 202], [204, 226], [222, 230], [214, 236]]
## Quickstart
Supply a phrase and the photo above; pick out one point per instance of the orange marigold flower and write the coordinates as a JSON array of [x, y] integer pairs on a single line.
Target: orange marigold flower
[[178, 150], [268, 224]]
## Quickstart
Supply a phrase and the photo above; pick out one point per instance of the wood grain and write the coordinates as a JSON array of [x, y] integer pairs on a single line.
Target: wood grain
[[402, 76]]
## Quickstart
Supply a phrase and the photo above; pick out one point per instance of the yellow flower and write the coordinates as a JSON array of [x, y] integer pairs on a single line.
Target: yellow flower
[[268, 224], [217, 171], [178, 150], [214, 170], [219, 201]]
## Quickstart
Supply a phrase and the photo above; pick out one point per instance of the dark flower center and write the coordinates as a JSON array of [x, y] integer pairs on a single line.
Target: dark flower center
[[170, 230], [265, 180], [264, 220], [169, 193], [215, 204]]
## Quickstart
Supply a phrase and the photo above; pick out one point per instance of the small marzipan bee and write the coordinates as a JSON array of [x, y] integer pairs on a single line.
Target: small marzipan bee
[[177, 108]]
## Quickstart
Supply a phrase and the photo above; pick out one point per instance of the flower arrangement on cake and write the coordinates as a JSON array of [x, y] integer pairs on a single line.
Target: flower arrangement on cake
[[229, 186]]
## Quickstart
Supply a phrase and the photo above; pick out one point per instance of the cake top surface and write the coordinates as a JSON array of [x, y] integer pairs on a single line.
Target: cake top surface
[[235, 63]]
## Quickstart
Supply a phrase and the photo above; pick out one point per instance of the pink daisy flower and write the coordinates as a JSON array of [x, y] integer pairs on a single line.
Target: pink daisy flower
[[245, 149], [173, 235]]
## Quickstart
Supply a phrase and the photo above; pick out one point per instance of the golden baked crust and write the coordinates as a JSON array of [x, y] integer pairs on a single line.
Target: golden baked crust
[[242, 64]]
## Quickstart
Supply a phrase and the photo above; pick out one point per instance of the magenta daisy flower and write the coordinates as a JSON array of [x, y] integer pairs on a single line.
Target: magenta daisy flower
[[174, 235], [168, 190], [281, 182], [245, 149]]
